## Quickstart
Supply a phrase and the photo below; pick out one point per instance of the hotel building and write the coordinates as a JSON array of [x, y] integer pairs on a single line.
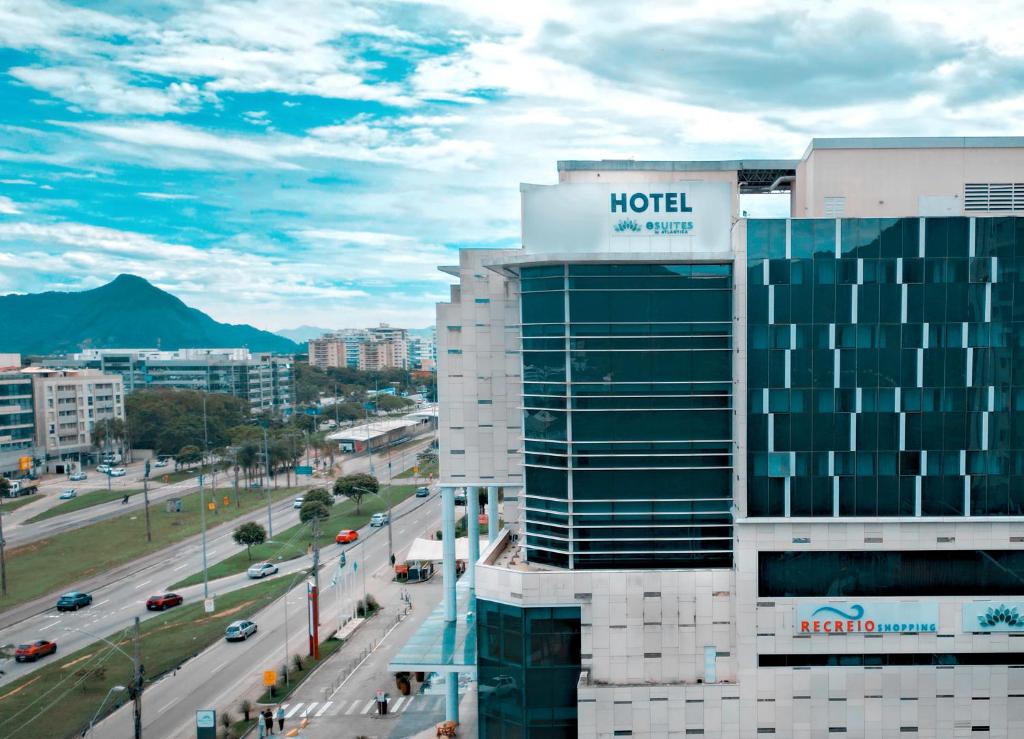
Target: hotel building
[[757, 476]]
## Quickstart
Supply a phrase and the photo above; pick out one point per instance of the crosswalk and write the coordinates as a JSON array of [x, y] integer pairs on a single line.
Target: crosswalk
[[401, 704]]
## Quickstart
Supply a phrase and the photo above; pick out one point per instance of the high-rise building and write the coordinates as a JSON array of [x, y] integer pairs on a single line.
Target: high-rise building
[[382, 347], [759, 476], [68, 403], [379, 354]]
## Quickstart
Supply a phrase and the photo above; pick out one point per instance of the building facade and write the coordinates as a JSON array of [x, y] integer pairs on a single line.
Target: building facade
[[760, 476], [67, 405], [17, 422], [265, 380]]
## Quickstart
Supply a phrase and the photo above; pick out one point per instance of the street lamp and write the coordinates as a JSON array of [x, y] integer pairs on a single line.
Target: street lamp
[[391, 549], [115, 689]]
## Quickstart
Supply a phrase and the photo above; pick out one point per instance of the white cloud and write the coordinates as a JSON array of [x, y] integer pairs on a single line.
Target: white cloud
[[100, 90], [17, 182], [166, 196], [7, 207]]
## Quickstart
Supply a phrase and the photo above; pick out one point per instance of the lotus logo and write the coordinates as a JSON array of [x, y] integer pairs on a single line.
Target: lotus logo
[[1001, 615], [627, 224]]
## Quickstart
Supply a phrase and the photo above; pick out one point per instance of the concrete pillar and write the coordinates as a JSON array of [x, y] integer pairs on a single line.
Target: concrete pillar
[[492, 513], [448, 550], [473, 532], [451, 703]]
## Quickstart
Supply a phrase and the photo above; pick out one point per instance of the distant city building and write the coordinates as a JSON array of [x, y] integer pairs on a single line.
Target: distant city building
[[17, 424], [265, 380], [390, 347], [10, 360], [67, 405]]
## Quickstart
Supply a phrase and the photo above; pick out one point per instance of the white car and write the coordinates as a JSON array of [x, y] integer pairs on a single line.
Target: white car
[[379, 519], [103, 468], [297, 503], [118, 472], [160, 463], [261, 569], [240, 630], [78, 477], [68, 494]]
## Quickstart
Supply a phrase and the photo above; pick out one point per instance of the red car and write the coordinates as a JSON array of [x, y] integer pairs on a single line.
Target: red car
[[346, 535], [160, 602], [35, 650]]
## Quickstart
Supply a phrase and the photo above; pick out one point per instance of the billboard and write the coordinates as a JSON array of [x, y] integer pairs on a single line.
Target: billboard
[[866, 617]]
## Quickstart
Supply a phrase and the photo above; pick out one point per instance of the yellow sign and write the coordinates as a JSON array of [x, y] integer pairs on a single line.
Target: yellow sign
[[24, 464], [211, 505], [269, 678], [227, 501]]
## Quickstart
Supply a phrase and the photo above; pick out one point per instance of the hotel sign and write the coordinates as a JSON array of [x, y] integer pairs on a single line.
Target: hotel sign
[[993, 615], [685, 217], [866, 617]]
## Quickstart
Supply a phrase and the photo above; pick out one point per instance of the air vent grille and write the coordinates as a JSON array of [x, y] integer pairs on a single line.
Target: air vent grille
[[981, 197]]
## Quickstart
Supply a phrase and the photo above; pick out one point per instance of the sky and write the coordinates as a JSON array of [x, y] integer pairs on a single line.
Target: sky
[[285, 162]]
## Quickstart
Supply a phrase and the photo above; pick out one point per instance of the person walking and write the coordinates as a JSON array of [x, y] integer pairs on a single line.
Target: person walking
[[268, 721], [280, 718]]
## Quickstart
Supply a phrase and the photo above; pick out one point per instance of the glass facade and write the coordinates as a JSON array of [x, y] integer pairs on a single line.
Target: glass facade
[[885, 367], [528, 669], [627, 385]]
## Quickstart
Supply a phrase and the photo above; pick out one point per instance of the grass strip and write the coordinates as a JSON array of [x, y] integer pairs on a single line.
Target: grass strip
[[45, 704], [13, 504], [50, 564], [423, 471], [85, 500], [296, 541]]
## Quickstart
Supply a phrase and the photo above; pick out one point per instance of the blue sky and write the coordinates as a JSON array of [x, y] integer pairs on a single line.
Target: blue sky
[[291, 162]]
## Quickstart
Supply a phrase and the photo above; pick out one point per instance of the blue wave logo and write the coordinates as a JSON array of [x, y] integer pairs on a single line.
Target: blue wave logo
[[855, 614]]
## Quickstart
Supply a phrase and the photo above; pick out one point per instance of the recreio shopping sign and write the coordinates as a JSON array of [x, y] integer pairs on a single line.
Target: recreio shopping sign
[[866, 617], [688, 217]]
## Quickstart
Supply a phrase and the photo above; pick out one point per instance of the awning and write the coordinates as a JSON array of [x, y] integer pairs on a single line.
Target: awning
[[432, 550]]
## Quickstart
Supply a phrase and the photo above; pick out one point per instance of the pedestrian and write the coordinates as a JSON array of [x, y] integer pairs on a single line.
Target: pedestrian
[[280, 718], [262, 729], [268, 720]]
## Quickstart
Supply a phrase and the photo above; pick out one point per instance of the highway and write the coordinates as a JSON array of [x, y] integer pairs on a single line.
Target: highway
[[226, 672], [123, 595]]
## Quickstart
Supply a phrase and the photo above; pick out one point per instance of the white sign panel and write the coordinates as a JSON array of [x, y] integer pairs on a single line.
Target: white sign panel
[[866, 617], [690, 217], [993, 615]]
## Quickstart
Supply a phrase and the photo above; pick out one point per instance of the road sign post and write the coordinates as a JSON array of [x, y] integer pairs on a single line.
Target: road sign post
[[206, 724]]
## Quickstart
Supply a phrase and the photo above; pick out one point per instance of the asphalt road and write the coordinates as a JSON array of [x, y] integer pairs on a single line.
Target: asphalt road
[[226, 672], [116, 603]]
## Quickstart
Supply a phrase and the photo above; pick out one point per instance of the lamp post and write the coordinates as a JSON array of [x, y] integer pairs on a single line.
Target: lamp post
[[136, 659], [115, 689]]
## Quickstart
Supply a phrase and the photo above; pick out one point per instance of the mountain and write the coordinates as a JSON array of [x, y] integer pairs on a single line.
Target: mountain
[[303, 334], [126, 313]]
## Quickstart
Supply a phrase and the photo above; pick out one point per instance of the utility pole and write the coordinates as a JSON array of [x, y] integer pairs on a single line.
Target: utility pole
[[266, 460], [314, 639], [145, 497], [3, 559], [138, 683]]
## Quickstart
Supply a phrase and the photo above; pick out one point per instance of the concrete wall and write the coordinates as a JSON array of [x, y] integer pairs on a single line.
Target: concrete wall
[[889, 183]]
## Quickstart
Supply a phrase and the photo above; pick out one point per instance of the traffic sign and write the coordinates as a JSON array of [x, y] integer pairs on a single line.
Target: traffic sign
[[208, 605], [303, 470], [269, 678]]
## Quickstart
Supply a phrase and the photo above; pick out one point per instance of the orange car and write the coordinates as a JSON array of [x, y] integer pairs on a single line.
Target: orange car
[[346, 535], [35, 650]]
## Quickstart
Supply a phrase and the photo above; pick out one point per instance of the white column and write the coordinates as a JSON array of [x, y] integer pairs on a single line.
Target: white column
[[492, 513], [448, 550], [473, 532]]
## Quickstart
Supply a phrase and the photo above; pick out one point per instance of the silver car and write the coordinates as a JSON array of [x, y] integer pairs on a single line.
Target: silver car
[[240, 631], [261, 569], [68, 494]]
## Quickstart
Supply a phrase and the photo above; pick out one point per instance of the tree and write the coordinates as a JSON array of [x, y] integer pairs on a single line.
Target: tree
[[316, 504], [5, 487], [108, 432], [355, 486], [187, 455], [249, 535]]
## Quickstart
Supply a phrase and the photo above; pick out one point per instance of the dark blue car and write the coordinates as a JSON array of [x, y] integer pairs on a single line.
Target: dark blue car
[[73, 601]]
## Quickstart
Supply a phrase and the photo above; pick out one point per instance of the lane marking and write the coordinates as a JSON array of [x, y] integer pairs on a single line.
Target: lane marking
[[293, 710], [180, 567], [143, 584], [168, 705], [408, 703], [309, 708], [397, 705], [325, 706], [102, 603], [44, 628], [355, 705], [369, 706]]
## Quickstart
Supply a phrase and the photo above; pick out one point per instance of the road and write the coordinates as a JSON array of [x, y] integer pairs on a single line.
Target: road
[[226, 672], [117, 602]]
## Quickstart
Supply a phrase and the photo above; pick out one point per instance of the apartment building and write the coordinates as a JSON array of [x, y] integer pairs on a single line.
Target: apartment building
[[67, 405], [265, 380], [758, 476], [17, 422]]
